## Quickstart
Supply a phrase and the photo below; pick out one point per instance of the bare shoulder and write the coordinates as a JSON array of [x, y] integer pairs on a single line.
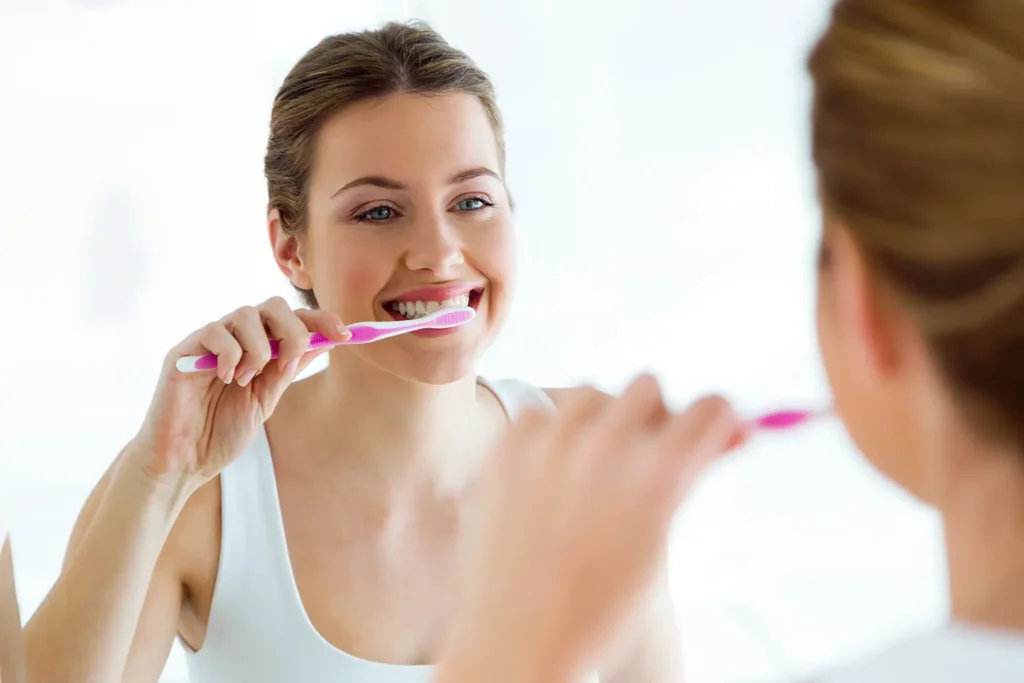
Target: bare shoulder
[[563, 396], [648, 645]]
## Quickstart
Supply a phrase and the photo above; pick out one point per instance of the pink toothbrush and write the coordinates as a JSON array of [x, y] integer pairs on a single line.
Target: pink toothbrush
[[776, 421], [362, 333], [787, 419]]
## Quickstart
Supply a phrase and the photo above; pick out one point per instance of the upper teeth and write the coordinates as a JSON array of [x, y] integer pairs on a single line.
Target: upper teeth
[[418, 309]]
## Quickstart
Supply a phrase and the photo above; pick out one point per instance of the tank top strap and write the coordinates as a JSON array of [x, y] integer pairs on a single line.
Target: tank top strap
[[515, 394]]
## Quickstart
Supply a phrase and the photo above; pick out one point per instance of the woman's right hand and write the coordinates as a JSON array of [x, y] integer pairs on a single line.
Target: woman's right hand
[[199, 422], [575, 516]]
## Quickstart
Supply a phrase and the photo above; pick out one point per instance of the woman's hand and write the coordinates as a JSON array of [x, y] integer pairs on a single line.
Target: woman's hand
[[576, 514], [199, 422]]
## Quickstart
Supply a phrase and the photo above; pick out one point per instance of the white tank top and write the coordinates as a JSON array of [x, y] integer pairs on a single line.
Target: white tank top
[[956, 653], [258, 630]]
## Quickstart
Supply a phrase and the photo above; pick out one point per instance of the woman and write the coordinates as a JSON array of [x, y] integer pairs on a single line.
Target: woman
[[310, 532], [918, 141]]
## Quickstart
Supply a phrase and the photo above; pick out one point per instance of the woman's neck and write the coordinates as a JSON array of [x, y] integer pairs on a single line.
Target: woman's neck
[[983, 513], [402, 432]]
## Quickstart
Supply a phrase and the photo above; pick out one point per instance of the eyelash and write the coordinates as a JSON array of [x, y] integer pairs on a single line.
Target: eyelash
[[364, 217]]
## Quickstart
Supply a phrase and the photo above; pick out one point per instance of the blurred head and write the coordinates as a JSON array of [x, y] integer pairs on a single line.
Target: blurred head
[[918, 140], [385, 171]]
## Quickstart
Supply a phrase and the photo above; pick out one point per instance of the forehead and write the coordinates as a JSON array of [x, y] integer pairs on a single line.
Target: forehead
[[411, 138]]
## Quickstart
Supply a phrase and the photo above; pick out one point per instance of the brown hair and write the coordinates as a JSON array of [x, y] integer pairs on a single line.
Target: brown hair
[[918, 139], [343, 70]]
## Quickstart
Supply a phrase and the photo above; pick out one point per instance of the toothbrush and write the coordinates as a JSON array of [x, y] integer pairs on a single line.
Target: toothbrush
[[775, 421], [786, 419], [362, 333]]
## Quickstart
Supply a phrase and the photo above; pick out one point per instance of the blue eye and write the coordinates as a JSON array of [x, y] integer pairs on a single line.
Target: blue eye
[[472, 204], [378, 214]]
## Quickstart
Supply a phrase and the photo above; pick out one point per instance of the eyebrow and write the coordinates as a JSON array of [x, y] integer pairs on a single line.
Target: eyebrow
[[473, 173], [391, 184]]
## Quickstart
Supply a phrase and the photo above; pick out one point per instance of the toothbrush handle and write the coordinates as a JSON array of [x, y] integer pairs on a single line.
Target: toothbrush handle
[[208, 361], [362, 333]]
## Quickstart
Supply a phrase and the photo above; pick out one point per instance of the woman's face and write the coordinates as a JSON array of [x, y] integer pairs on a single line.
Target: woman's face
[[875, 365], [408, 212]]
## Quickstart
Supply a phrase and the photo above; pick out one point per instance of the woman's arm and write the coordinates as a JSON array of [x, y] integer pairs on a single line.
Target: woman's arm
[[118, 599], [650, 650], [115, 608], [651, 644]]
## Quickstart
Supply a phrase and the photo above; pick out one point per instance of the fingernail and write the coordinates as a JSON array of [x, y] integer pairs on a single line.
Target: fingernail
[[246, 378], [225, 376], [343, 331], [292, 367]]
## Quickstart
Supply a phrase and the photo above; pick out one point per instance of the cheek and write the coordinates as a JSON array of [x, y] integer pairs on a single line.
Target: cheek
[[872, 409], [493, 252], [837, 356], [347, 276], [360, 276]]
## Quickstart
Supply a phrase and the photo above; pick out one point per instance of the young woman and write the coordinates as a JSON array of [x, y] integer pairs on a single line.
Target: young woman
[[918, 140], [311, 531]]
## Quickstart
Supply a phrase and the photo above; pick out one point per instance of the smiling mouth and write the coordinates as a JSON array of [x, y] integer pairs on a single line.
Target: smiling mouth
[[412, 309]]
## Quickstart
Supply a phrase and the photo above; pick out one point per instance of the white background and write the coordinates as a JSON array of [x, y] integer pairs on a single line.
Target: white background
[[658, 155]]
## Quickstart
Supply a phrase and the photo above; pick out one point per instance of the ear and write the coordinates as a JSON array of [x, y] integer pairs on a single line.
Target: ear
[[287, 252], [881, 334]]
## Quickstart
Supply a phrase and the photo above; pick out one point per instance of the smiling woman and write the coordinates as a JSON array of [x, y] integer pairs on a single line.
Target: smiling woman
[[404, 192], [313, 530]]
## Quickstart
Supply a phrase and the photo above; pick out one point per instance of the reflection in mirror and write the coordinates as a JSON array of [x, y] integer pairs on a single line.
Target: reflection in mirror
[[641, 213]]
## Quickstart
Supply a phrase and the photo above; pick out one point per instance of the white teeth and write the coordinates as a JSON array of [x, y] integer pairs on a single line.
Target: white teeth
[[418, 309]]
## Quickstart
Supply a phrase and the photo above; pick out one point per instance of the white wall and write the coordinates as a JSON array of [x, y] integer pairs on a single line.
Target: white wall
[[658, 155]]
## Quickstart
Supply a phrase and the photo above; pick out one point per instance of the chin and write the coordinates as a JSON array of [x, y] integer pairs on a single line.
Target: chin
[[900, 468], [884, 437]]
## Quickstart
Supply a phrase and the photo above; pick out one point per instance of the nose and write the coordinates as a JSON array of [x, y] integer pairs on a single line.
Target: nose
[[434, 246]]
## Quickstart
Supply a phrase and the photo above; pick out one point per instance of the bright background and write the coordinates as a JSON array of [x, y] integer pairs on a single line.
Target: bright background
[[658, 154]]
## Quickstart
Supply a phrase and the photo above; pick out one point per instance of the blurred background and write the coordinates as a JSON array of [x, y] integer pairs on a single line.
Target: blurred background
[[658, 154]]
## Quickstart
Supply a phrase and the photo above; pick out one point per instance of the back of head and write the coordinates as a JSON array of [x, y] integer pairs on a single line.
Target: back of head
[[918, 140], [346, 69]]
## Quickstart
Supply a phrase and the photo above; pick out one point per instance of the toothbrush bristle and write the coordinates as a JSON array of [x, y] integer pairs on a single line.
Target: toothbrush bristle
[[454, 318], [436, 320]]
